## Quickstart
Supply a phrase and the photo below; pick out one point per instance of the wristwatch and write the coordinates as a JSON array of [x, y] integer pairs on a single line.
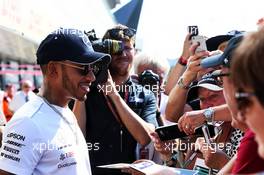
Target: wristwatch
[[209, 114], [181, 84]]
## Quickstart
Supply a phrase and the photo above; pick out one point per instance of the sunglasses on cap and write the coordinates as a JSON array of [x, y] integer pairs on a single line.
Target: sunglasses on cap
[[84, 70], [218, 75], [122, 33], [243, 99]]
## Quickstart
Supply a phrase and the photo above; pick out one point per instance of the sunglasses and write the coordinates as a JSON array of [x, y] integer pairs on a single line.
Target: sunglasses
[[122, 33], [243, 99], [218, 75], [85, 69]]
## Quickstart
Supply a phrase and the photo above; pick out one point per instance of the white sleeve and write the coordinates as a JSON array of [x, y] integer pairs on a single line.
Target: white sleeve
[[19, 153]]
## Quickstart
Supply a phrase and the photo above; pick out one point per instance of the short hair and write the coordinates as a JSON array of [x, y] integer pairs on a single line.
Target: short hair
[[247, 67], [26, 83], [43, 68], [151, 60], [8, 86]]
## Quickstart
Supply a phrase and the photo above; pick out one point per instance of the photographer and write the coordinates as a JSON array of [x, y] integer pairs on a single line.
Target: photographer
[[152, 71], [125, 109]]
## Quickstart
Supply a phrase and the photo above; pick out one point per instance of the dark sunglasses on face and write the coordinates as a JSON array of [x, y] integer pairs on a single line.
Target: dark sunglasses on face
[[121, 33], [243, 99], [85, 69]]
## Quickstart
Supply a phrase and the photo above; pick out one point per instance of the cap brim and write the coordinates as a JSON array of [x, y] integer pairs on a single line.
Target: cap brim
[[212, 61], [213, 43], [211, 87], [194, 90], [92, 57]]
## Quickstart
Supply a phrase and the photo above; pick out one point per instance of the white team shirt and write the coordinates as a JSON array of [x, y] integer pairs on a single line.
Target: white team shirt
[[39, 141], [19, 99]]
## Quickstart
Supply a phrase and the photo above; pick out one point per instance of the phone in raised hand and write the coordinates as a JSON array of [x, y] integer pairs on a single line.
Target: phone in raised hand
[[196, 38], [201, 40], [193, 30]]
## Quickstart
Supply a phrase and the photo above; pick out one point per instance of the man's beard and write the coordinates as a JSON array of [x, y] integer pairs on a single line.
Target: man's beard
[[115, 71], [69, 87]]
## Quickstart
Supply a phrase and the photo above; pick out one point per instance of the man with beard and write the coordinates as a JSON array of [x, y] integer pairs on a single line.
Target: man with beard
[[115, 117], [43, 136]]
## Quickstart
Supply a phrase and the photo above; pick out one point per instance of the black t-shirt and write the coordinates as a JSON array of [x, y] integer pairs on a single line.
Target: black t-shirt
[[104, 131]]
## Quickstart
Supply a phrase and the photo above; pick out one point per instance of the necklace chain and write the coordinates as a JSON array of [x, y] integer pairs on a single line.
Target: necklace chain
[[59, 113]]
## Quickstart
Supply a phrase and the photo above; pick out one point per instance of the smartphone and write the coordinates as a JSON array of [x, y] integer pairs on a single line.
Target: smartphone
[[202, 43], [172, 132], [193, 30], [169, 132]]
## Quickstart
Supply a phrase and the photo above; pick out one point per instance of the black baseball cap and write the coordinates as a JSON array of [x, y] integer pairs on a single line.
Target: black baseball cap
[[214, 42], [224, 58], [69, 44], [208, 82]]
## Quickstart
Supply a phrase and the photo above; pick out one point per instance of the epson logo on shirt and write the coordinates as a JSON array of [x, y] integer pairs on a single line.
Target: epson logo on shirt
[[16, 136]]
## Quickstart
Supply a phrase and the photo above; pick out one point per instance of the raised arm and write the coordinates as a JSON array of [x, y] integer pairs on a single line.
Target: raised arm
[[227, 169], [180, 66], [178, 95], [138, 128]]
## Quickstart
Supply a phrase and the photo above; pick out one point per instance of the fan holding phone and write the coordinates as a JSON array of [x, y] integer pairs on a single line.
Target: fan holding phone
[[196, 38]]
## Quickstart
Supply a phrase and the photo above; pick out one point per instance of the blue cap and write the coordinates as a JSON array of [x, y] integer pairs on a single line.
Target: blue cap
[[224, 58], [69, 44]]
